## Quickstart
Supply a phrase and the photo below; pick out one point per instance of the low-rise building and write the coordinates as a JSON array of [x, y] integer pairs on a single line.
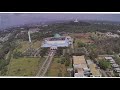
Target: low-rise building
[[109, 34], [117, 70], [80, 66], [57, 41], [115, 65], [93, 69], [108, 58]]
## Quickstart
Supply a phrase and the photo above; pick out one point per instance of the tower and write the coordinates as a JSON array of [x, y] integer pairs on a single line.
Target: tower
[[76, 20], [29, 36], [30, 44]]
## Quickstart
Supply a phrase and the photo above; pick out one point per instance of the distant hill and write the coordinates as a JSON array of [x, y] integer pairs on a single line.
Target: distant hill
[[72, 23]]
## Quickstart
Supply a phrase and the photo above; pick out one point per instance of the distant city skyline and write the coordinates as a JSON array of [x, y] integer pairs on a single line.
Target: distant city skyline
[[11, 19]]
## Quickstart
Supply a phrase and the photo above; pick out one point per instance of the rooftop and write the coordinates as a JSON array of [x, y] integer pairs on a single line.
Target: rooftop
[[115, 65], [89, 62], [57, 36], [79, 60], [56, 39], [62, 41], [108, 58]]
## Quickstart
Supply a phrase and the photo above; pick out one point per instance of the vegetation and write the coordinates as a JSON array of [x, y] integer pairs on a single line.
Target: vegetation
[[104, 64], [57, 69], [23, 66], [17, 54], [117, 59], [80, 44], [43, 51], [12, 63]]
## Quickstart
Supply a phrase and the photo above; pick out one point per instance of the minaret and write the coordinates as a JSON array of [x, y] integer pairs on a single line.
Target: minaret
[[29, 36], [30, 43]]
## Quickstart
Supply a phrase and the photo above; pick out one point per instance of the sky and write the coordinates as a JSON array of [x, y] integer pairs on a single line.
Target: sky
[[11, 19]]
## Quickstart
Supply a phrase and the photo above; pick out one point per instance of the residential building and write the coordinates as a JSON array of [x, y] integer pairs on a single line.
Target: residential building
[[80, 66]]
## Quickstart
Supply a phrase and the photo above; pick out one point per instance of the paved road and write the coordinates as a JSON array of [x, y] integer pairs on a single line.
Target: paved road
[[72, 46], [37, 52], [103, 73], [46, 64]]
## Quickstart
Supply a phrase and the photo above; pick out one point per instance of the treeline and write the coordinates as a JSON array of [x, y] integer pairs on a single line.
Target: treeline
[[106, 46], [7, 47], [34, 36], [80, 27]]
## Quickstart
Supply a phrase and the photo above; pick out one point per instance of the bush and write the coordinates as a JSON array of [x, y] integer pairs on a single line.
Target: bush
[[17, 54], [62, 62], [104, 64]]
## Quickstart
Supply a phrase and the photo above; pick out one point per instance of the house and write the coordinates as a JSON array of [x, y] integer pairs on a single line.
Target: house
[[80, 66], [108, 58], [95, 72], [117, 70], [115, 65], [109, 34]]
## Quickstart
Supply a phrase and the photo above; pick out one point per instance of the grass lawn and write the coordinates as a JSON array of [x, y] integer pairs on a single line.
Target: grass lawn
[[24, 45], [56, 68], [36, 44], [24, 66]]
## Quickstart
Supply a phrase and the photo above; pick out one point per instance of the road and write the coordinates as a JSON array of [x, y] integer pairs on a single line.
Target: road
[[42, 71], [72, 46], [37, 52], [103, 73]]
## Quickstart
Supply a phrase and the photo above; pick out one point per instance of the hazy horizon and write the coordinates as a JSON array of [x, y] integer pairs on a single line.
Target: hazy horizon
[[12, 19]]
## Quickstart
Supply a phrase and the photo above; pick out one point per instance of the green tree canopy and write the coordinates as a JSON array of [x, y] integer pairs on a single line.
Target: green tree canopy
[[104, 64]]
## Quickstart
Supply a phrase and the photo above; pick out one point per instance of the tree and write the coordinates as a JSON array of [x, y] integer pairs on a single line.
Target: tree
[[63, 59], [67, 62], [117, 59], [93, 55], [17, 54], [104, 64], [80, 44], [43, 52]]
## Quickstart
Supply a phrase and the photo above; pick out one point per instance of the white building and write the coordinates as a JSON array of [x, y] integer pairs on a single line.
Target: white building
[[57, 41], [109, 34]]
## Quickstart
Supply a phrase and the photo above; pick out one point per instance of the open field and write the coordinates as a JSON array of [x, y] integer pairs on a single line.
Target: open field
[[56, 68], [36, 44], [24, 66], [24, 45], [83, 38]]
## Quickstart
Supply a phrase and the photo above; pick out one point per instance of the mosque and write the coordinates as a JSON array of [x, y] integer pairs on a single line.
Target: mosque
[[57, 41]]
